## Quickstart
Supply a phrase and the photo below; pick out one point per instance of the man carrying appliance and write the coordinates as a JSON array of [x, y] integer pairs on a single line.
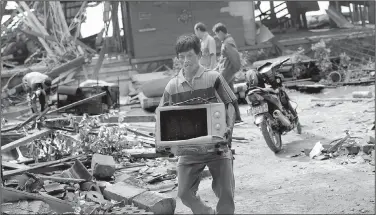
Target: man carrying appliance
[[37, 85], [194, 81], [208, 46], [229, 62]]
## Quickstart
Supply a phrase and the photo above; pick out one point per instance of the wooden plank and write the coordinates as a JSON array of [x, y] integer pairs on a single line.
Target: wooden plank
[[14, 114], [14, 165], [51, 38], [25, 140], [101, 58], [79, 61], [13, 195], [61, 179], [20, 125], [71, 75], [62, 76], [78, 103], [10, 173], [126, 119]]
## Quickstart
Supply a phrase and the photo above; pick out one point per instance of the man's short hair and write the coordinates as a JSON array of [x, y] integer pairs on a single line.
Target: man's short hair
[[219, 27], [48, 82], [187, 42], [200, 26]]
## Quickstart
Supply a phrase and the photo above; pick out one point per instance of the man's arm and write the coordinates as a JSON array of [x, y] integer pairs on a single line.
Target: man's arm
[[165, 100], [232, 54], [226, 95], [230, 117], [213, 52]]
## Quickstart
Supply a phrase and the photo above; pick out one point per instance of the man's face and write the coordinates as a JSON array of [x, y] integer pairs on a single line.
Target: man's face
[[220, 35], [189, 60], [198, 33]]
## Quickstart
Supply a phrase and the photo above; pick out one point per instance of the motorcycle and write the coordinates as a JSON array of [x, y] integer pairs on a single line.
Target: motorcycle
[[270, 115]]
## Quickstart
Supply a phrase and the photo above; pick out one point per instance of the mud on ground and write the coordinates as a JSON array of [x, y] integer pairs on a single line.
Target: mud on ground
[[269, 183]]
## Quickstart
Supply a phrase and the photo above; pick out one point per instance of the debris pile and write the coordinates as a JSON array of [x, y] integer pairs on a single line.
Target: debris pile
[[38, 38], [347, 147], [355, 64], [44, 34], [88, 167]]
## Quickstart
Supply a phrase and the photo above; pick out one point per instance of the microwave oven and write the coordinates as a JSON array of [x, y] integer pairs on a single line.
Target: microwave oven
[[190, 129]]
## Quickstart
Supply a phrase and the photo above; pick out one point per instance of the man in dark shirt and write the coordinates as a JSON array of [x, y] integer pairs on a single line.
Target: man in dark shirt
[[229, 63], [194, 81]]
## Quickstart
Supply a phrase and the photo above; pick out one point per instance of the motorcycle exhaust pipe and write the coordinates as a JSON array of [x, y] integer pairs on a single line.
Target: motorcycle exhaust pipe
[[283, 119]]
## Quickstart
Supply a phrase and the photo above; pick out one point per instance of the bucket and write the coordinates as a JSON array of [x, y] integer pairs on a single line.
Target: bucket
[[335, 77]]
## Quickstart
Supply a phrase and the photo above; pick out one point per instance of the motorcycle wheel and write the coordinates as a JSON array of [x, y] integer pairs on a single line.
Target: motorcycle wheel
[[273, 139]]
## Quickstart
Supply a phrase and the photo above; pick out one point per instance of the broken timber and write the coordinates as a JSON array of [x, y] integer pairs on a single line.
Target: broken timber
[[18, 126], [25, 140], [14, 165], [79, 102], [115, 119], [10, 173], [51, 38], [61, 180], [13, 195]]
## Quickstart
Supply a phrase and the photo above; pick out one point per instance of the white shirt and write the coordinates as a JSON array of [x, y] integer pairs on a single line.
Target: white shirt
[[208, 47]]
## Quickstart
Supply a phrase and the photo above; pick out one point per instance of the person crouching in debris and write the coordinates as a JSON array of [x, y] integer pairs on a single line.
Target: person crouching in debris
[[37, 85], [195, 81]]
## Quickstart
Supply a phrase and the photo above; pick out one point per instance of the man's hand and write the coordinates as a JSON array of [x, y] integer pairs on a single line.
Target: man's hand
[[228, 136]]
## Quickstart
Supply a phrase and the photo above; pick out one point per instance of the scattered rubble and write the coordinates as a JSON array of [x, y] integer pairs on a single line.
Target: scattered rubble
[[344, 147], [97, 158]]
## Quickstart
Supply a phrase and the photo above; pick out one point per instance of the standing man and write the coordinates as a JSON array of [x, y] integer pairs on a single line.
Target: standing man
[[208, 47], [229, 63], [195, 81], [37, 85]]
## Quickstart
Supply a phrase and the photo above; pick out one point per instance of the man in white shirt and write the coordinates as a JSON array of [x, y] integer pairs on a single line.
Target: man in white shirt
[[208, 47], [37, 85]]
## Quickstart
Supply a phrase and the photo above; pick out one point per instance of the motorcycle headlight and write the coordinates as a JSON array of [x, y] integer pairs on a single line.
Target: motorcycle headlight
[[254, 99]]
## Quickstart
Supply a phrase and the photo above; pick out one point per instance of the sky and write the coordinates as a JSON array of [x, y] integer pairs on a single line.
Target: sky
[[94, 22]]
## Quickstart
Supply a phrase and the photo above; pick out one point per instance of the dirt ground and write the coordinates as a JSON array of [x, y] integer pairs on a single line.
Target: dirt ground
[[269, 183]]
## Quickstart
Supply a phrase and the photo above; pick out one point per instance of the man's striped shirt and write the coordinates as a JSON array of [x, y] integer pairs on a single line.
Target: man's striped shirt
[[206, 86]]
